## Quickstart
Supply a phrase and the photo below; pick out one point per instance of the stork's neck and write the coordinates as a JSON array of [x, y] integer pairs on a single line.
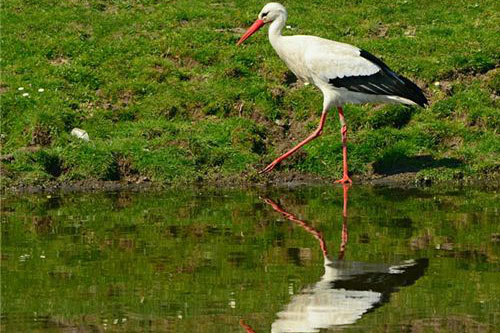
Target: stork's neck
[[275, 29]]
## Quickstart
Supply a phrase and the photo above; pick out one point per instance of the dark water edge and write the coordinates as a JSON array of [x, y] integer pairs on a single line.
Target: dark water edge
[[242, 260], [276, 179]]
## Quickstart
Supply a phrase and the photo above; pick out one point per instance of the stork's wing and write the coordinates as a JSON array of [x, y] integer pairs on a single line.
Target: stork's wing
[[332, 60], [359, 71]]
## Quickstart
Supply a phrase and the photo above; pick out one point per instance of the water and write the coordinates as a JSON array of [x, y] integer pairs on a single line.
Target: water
[[304, 259]]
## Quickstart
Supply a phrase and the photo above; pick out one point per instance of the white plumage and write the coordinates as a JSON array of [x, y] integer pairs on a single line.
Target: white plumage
[[344, 73]]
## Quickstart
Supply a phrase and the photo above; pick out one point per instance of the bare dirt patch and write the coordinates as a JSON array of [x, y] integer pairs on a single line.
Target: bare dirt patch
[[41, 136], [182, 61], [3, 88], [59, 61]]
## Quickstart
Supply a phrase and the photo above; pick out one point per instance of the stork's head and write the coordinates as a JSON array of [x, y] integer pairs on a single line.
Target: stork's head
[[268, 14], [271, 11]]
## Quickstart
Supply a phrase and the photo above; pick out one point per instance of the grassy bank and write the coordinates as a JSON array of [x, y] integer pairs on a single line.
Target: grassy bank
[[166, 96]]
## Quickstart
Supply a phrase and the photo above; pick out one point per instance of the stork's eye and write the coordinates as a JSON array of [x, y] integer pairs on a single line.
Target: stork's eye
[[265, 14]]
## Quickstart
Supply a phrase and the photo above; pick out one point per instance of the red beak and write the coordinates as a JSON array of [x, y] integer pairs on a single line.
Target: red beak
[[255, 26]]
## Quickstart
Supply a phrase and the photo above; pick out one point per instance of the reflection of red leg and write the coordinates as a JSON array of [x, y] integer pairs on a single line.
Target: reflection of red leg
[[248, 328], [345, 237], [343, 131], [345, 187], [345, 234], [303, 224], [311, 137], [313, 231]]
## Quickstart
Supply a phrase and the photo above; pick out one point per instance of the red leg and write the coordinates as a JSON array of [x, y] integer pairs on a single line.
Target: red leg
[[311, 137], [247, 327], [343, 131]]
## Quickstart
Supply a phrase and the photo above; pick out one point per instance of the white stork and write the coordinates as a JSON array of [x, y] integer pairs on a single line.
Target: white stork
[[343, 73]]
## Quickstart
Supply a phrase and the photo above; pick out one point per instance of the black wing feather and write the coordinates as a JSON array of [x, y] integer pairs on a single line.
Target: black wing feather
[[384, 82]]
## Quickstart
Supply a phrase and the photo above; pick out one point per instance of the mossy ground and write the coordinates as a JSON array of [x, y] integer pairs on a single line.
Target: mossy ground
[[166, 95]]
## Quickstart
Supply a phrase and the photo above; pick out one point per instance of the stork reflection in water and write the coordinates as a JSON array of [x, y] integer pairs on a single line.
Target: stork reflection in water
[[346, 291]]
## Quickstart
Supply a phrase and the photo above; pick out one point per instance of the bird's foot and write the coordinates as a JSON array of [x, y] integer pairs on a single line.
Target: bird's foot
[[247, 327], [344, 180], [268, 168]]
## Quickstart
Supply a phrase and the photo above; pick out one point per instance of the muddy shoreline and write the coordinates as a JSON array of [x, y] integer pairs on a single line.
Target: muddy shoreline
[[288, 179]]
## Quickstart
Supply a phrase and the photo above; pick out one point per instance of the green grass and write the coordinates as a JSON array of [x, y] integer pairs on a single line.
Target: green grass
[[165, 94]]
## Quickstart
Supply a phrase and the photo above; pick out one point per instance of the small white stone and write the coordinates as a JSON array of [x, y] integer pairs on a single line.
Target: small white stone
[[41, 90], [20, 88], [437, 83], [80, 134], [26, 95]]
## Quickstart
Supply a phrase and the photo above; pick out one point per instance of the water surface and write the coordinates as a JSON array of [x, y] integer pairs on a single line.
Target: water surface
[[303, 259]]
